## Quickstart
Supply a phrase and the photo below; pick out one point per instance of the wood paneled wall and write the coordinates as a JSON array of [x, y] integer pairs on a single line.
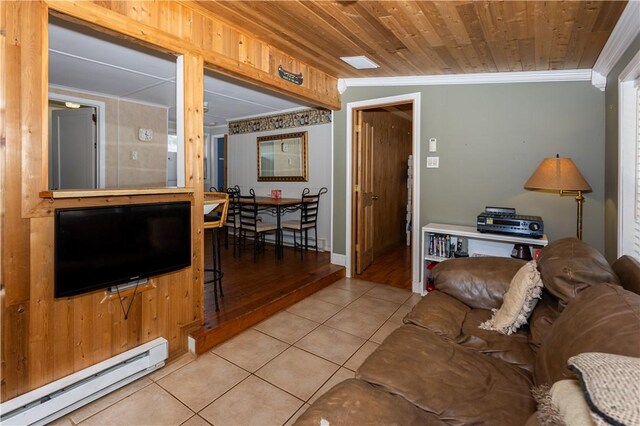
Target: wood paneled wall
[[392, 144], [43, 338], [184, 26]]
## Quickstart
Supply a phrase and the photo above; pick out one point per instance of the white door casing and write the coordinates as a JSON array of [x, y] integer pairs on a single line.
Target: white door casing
[[415, 99]]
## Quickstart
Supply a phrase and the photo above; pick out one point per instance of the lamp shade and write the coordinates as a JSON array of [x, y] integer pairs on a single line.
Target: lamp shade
[[557, 174]]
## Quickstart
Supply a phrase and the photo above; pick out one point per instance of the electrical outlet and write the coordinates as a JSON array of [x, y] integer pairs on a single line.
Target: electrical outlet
[[134, 155], [433, 162]]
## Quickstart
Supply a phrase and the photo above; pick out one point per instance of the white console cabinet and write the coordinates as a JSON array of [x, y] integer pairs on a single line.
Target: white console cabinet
[[478, 243]]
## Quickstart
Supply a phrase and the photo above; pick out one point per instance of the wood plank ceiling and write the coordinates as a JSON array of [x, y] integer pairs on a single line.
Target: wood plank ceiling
[[429, 37]]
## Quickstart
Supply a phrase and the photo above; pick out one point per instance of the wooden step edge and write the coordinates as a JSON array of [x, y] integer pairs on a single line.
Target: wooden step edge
[[207, 338]]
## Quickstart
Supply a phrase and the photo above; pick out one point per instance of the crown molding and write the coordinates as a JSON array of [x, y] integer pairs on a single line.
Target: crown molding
[[598, 80], [479, 78], [621, 37]]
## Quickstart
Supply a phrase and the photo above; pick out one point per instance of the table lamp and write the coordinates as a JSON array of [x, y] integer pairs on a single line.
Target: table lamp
[[561, 174]]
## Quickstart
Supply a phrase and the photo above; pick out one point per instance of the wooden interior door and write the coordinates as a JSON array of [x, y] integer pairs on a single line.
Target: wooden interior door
[[74, 137], [363, 190], [392, 146]]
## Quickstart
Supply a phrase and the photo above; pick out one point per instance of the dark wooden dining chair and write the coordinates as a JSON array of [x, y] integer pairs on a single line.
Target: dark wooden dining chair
[[250, 223], [309, 208], [232, 223]]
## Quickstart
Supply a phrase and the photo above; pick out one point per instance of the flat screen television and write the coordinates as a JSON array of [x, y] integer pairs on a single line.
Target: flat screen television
[[100, 247]]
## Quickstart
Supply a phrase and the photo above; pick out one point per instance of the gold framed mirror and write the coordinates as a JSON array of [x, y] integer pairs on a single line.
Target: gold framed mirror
[[282, 157]]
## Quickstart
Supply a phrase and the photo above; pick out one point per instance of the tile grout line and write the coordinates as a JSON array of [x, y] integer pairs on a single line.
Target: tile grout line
[[243, 380], [289, 345], [68, 415], [129, 396]]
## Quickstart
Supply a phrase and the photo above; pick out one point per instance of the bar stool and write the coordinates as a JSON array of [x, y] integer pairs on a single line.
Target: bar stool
[[218, 201]]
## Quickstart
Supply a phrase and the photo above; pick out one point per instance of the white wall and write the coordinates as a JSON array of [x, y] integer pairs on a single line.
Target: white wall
[[242, 171]]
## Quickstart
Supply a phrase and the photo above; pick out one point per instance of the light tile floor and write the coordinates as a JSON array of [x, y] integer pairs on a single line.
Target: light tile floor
[[267, 375]]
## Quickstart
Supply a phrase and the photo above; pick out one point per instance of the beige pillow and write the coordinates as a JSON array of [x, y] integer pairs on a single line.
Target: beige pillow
[[611, 385], [567, 397], [518, 302], [562, 404]]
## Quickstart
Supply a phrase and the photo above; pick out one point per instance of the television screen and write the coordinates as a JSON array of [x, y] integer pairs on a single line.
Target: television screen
[[99, 247]]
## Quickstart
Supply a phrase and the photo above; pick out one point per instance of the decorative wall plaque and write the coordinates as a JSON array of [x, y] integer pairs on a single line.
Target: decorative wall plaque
[[289, 76]]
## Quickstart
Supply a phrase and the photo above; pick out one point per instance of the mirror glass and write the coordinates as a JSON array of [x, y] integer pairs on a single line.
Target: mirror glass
[[282, 157], [112, 112]]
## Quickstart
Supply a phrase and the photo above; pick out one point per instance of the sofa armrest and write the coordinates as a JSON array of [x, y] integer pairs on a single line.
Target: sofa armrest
[[478, 282], [628, 271]]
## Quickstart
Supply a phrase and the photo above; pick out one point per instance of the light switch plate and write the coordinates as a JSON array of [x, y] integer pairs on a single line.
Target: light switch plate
[[432, 145], [433, 162]]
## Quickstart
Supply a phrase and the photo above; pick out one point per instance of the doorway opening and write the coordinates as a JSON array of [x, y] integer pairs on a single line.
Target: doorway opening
[[383, 197], [76, 143], [215, 164]]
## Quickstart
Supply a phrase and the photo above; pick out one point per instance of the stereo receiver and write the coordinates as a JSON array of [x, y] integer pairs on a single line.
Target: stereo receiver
[[504, 220]]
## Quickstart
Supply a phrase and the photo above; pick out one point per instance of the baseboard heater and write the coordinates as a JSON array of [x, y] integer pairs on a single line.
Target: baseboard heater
[[54, 400]]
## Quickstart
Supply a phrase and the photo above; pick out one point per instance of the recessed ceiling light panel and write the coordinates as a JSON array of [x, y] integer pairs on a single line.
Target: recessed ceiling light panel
[[360, 62]]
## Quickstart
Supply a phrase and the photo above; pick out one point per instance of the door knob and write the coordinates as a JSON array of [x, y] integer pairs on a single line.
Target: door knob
[[374, 197]]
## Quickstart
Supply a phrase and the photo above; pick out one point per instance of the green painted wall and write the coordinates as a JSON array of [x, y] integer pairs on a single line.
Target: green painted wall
[[611, 156], [491, 137]]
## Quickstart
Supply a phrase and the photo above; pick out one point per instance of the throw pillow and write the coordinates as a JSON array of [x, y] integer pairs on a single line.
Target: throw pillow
[[518, 302], [567, 396], [562, 405], [611, 384], [547, 413]]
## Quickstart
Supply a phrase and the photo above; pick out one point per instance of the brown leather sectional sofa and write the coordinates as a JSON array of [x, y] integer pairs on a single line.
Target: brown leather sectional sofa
[[440, 368]]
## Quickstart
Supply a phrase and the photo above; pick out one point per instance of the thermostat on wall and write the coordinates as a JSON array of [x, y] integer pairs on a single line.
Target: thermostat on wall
[[145, 135]]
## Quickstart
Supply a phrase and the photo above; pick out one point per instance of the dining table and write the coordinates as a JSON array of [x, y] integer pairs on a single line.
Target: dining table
[[280, 206]]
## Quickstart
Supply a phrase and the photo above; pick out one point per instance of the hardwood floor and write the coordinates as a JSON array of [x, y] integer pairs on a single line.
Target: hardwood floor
[[393, 267], [253, 291]]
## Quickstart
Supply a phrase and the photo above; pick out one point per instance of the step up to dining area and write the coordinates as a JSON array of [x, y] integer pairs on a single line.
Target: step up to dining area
[[254, 291]]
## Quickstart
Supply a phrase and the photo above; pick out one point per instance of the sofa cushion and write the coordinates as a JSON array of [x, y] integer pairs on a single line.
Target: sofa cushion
[[602, 318], [439, 313], [458, 384], [513, 349], [478, 282], [518, 302], [628, 271], [542, 318], [356, 402], [451, 319], [568, 266]]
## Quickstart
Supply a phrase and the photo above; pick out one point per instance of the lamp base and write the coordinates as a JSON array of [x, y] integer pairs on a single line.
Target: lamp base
[[580, 201]]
